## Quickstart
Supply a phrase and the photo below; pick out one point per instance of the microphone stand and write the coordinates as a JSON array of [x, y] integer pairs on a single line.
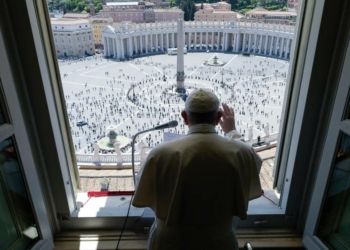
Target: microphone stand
[[132, 152]]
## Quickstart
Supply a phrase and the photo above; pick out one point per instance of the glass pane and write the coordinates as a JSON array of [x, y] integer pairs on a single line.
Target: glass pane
[[334, 227], [16, 214], [2, 113]]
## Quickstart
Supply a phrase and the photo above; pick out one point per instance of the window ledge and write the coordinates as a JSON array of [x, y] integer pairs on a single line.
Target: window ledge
[[91, 240]]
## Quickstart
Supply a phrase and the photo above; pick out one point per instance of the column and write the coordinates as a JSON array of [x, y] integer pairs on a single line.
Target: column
[[244, 43], [195, 41], [235, 42], [206, 40], [212, 40], [113, 47], [122, 56], [201, 41], [282, 47], [255, 43], [265, 41], [276, 45], [108, 48], [271, 44], [130, 46], [167, 41], [156, 42], [151, 43], [287, 49], [105, 46], [260, 44], [224, 42], [250, 42], [135, 44], [162, 41], [117, 44], [141, 45], [239, 37], [218, 40], [146, 43], [173, 40]]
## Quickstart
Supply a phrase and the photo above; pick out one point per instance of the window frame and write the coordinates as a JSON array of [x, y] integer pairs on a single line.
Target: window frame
[[15, 129], [300, 74], [310, 239]]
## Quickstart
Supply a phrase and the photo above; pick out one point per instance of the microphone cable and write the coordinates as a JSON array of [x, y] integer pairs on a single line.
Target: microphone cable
[[127, 216]]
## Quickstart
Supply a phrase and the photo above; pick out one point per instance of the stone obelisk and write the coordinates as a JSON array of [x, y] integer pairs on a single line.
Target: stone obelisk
[[180, 75]]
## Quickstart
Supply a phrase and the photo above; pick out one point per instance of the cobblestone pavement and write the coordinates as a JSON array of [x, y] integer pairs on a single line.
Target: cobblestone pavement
[[121, 180]]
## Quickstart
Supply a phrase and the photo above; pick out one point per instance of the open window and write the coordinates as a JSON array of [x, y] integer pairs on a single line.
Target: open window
[[44, 96]]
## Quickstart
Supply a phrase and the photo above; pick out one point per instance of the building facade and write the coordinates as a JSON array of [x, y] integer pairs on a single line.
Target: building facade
[[73, 37], [263, 15], [130, 39], [292, 4], [213, 15], [137, 12], [215, 6], [98, 24]]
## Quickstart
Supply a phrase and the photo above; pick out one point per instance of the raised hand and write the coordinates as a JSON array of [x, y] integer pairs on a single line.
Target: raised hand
[[227, 122]]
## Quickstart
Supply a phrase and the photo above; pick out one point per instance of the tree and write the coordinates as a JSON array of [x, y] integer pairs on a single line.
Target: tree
[[234, 3], [99, 7]]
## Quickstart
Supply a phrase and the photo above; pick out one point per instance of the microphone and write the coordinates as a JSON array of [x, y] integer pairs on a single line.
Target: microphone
[[170, 124]]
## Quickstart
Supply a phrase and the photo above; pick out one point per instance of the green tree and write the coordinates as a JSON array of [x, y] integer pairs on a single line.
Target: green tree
[[98, 7]]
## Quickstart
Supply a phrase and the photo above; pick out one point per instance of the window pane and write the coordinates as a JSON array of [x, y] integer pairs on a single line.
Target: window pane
[[334, 227], [3, 115], [16, 210]]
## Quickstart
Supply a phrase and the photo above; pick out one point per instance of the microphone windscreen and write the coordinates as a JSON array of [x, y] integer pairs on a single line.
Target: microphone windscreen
[[173, 124]]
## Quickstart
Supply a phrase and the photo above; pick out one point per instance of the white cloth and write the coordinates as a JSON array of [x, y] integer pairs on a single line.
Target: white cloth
[[199, 181]]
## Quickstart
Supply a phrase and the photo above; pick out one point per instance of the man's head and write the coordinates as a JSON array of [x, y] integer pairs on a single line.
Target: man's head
[[202, 106]]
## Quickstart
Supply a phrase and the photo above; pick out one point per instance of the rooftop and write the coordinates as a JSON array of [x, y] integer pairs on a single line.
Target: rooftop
[[69, 21], [122, 3], [76, 15]]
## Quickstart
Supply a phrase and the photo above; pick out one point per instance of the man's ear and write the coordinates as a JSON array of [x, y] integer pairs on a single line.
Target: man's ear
[[185, 117], [218, 116]]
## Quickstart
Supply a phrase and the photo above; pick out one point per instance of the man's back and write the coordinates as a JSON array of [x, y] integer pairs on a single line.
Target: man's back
[[201, 179], [197, 184]]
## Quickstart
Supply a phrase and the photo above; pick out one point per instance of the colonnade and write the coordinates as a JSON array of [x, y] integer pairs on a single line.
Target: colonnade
[[258, 39]]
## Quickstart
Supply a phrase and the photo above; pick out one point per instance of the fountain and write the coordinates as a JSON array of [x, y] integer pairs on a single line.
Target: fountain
[[112, 139]]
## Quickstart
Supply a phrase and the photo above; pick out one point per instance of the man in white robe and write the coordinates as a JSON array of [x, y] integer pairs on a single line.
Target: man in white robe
[[195, 185]]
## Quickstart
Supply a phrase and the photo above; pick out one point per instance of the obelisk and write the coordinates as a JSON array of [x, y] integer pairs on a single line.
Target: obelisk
[[180, 75]]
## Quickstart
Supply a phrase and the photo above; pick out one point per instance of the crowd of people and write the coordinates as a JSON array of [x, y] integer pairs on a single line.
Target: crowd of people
[[146, 96]]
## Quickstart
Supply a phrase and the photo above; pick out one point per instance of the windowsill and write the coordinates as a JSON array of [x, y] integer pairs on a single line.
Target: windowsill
[[117, 206], [96, 239]]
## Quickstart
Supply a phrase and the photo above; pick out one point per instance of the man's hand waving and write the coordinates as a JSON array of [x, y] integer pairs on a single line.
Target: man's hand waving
[[227, 122]]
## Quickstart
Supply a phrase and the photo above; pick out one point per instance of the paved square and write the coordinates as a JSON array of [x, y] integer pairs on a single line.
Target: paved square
[[134, 96]]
